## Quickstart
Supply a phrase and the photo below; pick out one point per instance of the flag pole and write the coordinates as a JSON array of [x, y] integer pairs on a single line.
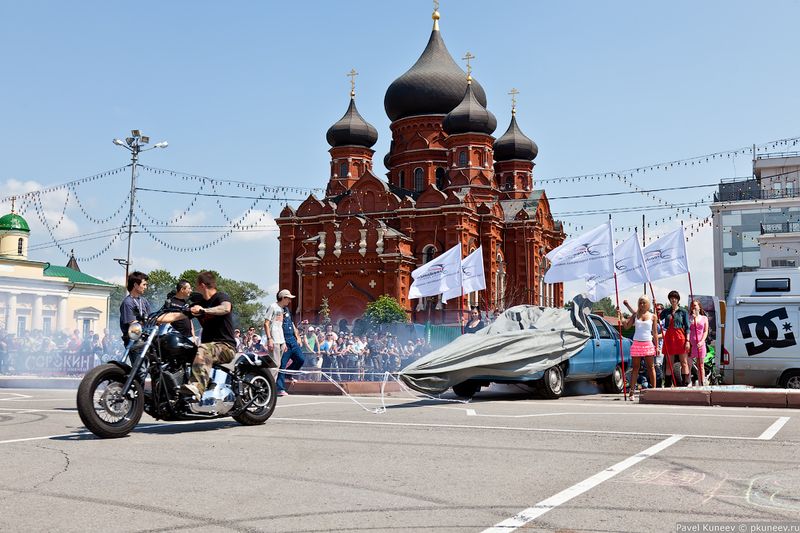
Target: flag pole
[[700, 369], [621, 354], [461, 309], [660, 331]]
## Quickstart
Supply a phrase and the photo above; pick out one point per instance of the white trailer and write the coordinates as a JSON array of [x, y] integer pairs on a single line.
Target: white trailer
[[762, 323]]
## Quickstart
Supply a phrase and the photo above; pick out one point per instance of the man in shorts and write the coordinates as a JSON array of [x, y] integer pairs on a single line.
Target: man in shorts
[[217, 343]]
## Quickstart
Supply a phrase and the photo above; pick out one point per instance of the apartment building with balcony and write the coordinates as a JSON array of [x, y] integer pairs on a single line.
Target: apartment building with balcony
[[757, 219]]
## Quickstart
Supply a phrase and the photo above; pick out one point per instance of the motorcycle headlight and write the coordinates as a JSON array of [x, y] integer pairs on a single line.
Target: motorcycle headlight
[[135, 331]]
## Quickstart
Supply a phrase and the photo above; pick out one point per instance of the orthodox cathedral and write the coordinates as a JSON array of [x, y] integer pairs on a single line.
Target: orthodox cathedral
[[449, 182]]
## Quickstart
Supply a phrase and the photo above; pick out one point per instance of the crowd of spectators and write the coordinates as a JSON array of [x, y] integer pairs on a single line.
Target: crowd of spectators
[[34, 352], [343, 355]]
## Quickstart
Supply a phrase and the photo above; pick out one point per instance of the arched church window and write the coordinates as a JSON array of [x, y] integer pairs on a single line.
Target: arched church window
[[401, 179], [419, 179], [428, 253], [500, 283], [343, 168], [462, 158], [19, 247], [441, 179]]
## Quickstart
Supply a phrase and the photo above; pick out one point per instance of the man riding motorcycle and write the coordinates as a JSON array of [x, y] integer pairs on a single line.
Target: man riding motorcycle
[[217, 342]]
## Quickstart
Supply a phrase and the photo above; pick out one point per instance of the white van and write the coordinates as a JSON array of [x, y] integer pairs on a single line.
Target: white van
[[762, 319]]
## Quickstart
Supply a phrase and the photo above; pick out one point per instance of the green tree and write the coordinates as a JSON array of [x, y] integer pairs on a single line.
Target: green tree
[[117, 295], [385, 310], [159, 283], [606, 306], [248, 309], [324, 312]]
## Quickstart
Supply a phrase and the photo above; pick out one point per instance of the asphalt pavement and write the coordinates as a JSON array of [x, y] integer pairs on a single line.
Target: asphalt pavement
[[503, 462]]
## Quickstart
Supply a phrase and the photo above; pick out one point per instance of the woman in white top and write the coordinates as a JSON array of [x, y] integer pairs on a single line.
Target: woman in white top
[[644, 343]]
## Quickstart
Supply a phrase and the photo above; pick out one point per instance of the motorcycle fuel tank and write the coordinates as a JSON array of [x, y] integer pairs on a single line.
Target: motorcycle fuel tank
[[175, 345]]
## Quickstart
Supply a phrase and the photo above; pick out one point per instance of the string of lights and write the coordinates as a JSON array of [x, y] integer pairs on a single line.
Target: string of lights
[[102, 220], [688, 162], [62, 186], [238, 183]]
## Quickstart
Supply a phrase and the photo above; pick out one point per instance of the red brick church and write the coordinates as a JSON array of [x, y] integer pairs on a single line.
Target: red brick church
[[449, 181]]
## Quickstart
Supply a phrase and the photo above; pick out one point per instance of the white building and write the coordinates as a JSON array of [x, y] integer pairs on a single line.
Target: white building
[[40, 296], [757, 220]]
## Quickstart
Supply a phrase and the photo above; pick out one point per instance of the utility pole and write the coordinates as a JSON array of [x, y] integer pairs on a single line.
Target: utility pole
[[134, 145]]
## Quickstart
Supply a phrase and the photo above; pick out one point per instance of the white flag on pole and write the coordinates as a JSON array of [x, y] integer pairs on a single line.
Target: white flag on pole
[[667, 256], [472, 276], [629, 266], [438, 275], [587, 255]]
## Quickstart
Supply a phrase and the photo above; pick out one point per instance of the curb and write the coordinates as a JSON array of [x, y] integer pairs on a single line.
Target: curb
[[771, 398], [37, 382], [357, 388], [321, 388]]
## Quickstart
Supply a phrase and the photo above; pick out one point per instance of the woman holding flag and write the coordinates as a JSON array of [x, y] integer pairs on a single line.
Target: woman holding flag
[[645, 344], [676, 337]]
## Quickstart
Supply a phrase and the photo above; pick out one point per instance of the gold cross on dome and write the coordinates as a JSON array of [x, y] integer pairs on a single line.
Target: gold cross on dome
[[13, 201], [436, 5], [352, 75], [513, 92], [468, 57]]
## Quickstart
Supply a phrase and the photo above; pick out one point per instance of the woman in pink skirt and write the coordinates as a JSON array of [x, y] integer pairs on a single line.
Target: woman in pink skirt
[[644, 345], [698, 332]]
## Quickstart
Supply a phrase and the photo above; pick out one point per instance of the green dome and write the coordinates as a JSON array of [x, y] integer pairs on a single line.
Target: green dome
[[13, 222]]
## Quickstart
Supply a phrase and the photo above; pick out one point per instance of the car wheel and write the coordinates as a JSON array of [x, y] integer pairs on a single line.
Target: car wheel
[[552, 384], [613, 383], [467, 389], [791, 379]]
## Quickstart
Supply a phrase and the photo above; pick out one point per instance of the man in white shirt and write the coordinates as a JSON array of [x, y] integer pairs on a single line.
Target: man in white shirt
[[273, 327]]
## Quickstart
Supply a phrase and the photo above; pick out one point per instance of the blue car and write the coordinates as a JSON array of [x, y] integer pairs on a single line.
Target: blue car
[[597, 361]]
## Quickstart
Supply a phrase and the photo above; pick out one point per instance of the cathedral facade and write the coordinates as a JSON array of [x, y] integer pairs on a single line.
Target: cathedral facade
[[449, 182]]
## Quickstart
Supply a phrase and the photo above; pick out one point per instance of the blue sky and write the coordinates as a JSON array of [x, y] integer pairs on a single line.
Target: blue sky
[[246, 91]]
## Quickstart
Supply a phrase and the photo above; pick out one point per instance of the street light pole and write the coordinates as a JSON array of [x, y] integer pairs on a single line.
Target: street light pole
[[134, 145]]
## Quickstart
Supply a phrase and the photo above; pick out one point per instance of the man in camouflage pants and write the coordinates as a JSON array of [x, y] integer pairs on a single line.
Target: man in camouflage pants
[[217, 343]]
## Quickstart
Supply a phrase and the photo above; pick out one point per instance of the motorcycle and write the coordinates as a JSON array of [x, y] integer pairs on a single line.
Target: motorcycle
[[112, 396]]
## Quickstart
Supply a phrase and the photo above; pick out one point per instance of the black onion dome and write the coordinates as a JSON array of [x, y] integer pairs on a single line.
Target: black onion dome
[[433, 86], [514, 144], [469, 117], [352, 129]]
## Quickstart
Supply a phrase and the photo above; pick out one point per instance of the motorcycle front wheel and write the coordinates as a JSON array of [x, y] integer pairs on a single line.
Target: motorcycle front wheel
[[259, 386], [101, 406]]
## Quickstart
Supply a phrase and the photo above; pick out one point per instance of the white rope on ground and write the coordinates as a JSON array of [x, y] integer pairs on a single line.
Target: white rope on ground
[[384, 381]]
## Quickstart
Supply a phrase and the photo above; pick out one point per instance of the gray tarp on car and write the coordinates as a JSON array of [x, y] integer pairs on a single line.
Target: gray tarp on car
[[525, 339]]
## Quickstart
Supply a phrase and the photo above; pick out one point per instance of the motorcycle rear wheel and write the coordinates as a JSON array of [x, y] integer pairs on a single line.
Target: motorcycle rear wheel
[[260, 384], [101, 407]]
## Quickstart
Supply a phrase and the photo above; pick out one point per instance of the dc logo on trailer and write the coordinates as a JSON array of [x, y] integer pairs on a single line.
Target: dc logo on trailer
[[766, 331]]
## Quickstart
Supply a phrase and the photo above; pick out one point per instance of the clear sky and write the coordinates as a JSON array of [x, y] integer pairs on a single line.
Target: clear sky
[[246, 91]]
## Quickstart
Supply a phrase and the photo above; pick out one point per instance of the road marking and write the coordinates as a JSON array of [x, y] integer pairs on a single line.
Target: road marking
[[472, 412], [18, 396], [505, 428], [12, 410], [774, 428], [532, 513], [87, 432]]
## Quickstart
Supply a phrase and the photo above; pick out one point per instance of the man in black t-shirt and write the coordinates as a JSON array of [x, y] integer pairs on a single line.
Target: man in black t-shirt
[[182, 291], [217, 342]]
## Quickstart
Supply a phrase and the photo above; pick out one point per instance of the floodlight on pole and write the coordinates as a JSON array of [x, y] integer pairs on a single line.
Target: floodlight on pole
[[134, 146]]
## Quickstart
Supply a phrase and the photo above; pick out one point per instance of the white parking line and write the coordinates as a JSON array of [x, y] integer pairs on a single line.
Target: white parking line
[[532, 513], [774, 428], [504, 428]]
